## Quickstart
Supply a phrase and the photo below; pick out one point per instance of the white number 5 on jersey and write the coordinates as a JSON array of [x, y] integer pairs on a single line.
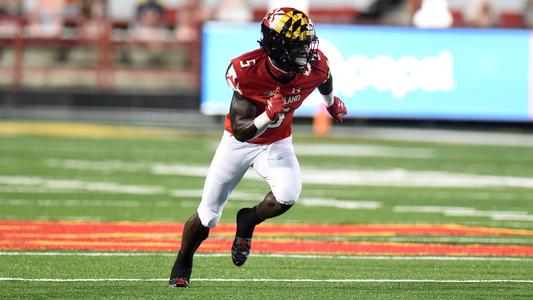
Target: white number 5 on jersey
[[248, 63]]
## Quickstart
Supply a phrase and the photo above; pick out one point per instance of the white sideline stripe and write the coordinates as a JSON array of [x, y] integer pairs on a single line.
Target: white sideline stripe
[[275, 280], [297, 256]]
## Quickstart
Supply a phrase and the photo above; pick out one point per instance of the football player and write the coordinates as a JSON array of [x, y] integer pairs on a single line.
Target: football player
[[268, 84]]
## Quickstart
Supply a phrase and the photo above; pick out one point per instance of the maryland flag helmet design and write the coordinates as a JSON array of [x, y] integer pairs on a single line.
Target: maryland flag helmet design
[[288, 36]]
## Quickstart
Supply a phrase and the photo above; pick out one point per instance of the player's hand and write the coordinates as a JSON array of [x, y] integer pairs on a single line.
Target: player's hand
[[275, 105], [337, 110]]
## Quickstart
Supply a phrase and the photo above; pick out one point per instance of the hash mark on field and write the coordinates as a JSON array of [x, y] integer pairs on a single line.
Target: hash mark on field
[[294, 280]]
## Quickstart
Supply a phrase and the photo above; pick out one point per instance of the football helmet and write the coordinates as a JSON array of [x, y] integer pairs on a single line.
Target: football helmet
[[288, 36]]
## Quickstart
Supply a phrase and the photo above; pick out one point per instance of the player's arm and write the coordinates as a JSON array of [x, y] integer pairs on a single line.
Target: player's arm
[[326, 90], [242, 114], [335, 105], [244, 123]]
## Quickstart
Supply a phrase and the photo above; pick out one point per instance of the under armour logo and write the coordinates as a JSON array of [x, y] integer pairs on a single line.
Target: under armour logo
[[296, 90]]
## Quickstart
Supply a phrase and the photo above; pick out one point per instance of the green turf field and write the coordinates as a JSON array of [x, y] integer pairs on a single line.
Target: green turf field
[[354, 181]]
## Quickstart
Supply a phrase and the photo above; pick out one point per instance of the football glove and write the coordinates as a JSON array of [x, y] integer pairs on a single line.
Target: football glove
[[275, 105], [337, 110]]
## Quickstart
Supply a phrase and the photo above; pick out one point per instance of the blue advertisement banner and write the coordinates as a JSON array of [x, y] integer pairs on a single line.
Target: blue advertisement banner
[[381, 72]]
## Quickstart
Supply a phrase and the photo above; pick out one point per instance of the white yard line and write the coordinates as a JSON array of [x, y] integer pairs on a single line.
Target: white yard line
[[292, 280], [235, 195], [519, 225], [355, 177], [292, 256], [88, 203], [408, 178], [83, 218], [74, 203], [321, 202], [349, 150], [106, 165], [441, 136], [314, 202], [357, 150], [95, 186], [12, 189], [455, 239], [452, 211]]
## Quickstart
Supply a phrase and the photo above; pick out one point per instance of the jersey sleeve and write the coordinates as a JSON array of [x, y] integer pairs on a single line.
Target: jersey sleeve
[[322, 65], [241, 76], [232, 79], [237, 77]]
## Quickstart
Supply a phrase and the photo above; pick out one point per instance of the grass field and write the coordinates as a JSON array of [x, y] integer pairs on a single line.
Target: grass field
[[94, 211]]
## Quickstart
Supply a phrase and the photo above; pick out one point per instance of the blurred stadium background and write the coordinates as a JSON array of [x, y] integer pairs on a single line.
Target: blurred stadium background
[[137, 55], [110, 111]]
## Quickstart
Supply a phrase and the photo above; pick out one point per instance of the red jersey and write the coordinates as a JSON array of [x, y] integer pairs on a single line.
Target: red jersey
[[248, 75]]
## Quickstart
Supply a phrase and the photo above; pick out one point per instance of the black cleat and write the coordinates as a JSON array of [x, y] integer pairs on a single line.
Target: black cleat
[[180, 276], [181, 282], [240, 250]]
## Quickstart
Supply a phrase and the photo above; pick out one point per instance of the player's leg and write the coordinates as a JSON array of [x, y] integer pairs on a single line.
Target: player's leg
[[229, 164], [279, 167], [194, 233], [247, 218]]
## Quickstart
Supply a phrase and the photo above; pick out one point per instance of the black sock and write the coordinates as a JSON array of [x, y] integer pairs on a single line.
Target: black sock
[[193, 235], [247, 218], [182, 267]]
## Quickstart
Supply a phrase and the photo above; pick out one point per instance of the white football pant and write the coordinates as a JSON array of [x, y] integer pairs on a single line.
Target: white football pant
[[276, 163]]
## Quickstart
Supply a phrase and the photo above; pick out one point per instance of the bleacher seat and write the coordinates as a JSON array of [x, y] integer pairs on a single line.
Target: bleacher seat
[[511, 19]]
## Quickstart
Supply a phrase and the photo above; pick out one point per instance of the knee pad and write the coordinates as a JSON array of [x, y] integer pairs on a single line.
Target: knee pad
[[208, 217]]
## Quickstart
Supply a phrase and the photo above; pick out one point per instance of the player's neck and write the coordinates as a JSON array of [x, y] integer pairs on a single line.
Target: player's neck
[[276, 71]]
